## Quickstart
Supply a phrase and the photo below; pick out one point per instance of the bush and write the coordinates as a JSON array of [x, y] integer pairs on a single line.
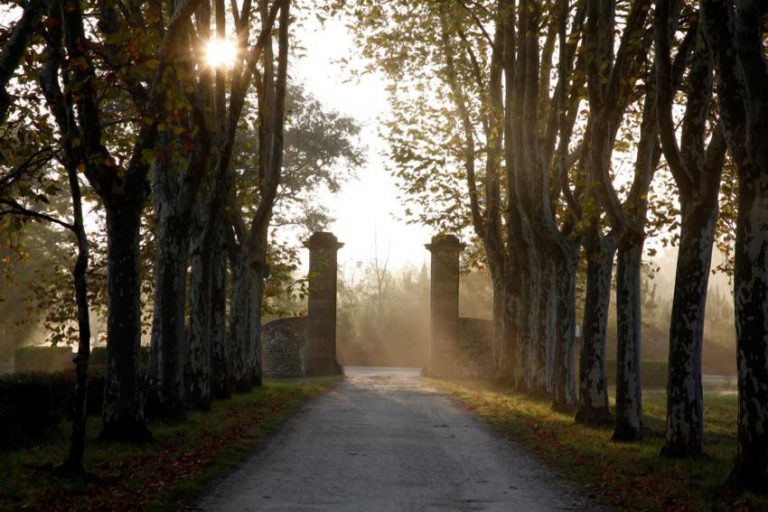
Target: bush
[[31, 404]]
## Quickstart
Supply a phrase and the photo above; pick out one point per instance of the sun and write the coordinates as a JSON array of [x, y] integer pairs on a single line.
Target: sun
[[220, 53]]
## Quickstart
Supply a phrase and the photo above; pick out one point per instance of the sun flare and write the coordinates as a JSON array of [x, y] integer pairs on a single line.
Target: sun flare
[[220, 53]]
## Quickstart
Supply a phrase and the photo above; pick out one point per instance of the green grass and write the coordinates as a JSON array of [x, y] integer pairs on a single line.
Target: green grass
[[163, 475], [627, 476]]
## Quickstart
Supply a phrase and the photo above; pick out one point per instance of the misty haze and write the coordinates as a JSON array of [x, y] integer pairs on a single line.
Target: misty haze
[[352, 255]]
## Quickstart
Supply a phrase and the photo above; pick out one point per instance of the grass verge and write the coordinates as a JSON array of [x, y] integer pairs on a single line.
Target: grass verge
[[628, 476], [163, 475]]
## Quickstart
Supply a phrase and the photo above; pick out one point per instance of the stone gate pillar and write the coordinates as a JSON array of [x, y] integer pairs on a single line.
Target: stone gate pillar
[[321, 324], [444, 306]]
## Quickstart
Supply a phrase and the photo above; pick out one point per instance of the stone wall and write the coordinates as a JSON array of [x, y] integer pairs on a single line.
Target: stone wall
[[284, 347], [475, 348]]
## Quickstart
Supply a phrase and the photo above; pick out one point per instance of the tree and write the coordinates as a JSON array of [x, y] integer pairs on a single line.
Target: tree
[[15, 46], [611, 83], [183, 188], [538, 132], [122, 189], [248, 239], [697, 168], [735, 38], [71, 156]]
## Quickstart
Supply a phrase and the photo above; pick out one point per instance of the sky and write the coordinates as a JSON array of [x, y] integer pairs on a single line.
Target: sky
[[367, 207]]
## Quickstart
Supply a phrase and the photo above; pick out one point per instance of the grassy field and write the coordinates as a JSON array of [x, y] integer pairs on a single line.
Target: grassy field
[[628, 476], [163, 475]]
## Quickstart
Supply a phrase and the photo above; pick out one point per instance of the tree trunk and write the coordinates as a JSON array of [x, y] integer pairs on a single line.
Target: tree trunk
[[513, 322], [239, 324], [563, 392], [221, 358], [628, 425], [543, 348], [734, 38], [593, 388], [499, 347], [525, 359], [123, 411], [751, 301], [198, 372], [168, 356], [259, 271], [74, 461], [254, 345], [685, 402]]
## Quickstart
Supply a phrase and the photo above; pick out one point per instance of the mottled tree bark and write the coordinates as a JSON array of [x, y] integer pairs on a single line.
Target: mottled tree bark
[[499, 347], [525, 360], [629, 406], [123, 412], [547, 339], [697, 171], [543, 340], [564, 393], [685, 400], [751, 296], [165, 389], [240, 322], [593, 407], [736, 40], [198, 369], [221, 358]]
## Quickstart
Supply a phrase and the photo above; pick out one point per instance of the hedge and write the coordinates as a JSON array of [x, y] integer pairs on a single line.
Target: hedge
[[31, 404]]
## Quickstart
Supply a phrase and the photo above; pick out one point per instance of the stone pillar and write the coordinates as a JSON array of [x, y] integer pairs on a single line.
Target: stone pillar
[[321, 326], [444, 306]]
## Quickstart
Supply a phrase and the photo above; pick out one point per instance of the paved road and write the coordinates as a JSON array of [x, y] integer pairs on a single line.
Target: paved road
[[384, 441]]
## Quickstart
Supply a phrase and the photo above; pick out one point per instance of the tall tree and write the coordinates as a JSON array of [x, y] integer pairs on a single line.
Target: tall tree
[[696, 168], [539, 128], [611, 77], [485, 201], [182, 189], [123, 191], [62, 107], [249, 238], [70, 156], [735, 36]]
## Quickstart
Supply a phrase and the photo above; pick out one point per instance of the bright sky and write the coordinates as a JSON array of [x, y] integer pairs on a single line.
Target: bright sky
[[366, 208]]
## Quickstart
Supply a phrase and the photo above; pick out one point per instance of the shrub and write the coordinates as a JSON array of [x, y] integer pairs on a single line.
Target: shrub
[[31, 404]]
